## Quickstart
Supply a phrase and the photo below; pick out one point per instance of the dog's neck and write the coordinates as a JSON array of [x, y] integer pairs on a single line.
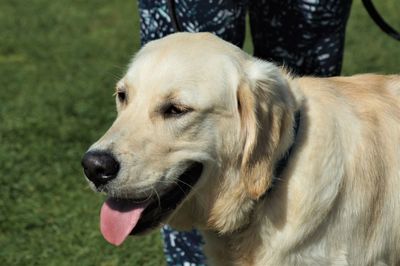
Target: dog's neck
[[218, 250], [280, 166]]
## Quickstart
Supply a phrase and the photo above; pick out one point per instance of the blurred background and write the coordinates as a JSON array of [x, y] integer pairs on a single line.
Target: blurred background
[[59, 62]]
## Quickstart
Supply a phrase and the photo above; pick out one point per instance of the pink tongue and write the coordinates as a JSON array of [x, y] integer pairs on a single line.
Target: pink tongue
[[118, 218]]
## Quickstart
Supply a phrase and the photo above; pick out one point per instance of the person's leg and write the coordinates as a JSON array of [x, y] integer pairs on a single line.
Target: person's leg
[[307, 36], [183, 248], [225, 18]]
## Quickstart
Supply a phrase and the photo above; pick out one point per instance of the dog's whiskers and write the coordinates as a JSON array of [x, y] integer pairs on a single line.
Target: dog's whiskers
[[158, 197], [147, 198], [175, 182]]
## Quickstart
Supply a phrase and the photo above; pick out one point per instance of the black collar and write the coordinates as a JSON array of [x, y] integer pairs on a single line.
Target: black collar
[[282, 163]]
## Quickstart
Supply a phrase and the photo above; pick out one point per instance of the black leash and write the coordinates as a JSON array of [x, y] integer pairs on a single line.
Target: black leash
[[377, 18], [172, 14]]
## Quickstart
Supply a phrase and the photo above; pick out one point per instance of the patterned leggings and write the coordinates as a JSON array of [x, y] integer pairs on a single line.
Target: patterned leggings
[[307, 36]]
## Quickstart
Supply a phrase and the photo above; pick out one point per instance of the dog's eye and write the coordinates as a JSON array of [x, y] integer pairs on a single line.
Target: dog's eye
[[121, 96], [173, 110]]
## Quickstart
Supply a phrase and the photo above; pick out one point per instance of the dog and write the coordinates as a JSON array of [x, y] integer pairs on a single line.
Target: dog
[[272, 169]]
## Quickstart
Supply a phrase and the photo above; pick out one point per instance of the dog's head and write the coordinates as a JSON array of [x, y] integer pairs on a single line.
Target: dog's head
[[200, 125]]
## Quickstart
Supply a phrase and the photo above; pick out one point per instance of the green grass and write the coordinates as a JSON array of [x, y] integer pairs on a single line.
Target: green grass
[[59, 61]]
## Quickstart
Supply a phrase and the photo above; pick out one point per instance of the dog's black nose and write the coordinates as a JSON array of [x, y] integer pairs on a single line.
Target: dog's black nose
[[100, 167]]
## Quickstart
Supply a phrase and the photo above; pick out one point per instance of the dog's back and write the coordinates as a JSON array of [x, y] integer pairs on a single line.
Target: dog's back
[[352, 134]]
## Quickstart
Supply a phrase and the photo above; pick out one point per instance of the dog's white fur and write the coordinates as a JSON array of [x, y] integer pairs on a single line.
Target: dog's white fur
[[337, 201]]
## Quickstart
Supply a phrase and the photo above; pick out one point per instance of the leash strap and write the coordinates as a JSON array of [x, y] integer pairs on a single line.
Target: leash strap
[[376, 17], [172, 14]]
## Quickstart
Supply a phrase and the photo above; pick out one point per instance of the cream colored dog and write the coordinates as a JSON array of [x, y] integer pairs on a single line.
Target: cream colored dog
[[200, 130]]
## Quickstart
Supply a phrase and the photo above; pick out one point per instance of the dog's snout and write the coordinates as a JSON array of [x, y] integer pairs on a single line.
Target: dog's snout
[[100, 167]]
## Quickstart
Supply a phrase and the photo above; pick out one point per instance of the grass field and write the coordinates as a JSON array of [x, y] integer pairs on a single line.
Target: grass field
[[59, 61]]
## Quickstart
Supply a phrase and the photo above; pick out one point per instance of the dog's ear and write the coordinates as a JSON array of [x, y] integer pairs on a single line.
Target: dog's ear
[[266, 108]]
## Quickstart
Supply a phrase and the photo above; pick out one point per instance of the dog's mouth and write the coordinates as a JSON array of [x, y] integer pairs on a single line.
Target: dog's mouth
[[122, 217]]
